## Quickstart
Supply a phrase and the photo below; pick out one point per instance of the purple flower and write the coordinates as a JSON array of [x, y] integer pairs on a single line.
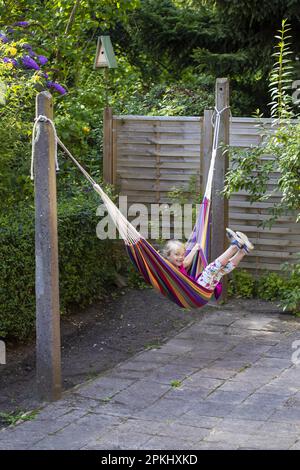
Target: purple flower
[[29, 50], [27, 47], [9, 60], [56, 87], [45, 75], [23, 24], [42, 59], [30, 63], [3, 38], [10, 30]]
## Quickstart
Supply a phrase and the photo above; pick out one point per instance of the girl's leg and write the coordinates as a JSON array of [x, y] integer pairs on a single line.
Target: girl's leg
[[214, 272], [230, 266], [227, 255], [237, 258]]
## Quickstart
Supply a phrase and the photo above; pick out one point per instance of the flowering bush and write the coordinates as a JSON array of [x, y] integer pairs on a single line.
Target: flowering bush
[[17, 57]]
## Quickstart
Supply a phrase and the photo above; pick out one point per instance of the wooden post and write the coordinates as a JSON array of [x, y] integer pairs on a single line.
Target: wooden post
[[219, 203], [206, 150], [107, 145], [48, 355]]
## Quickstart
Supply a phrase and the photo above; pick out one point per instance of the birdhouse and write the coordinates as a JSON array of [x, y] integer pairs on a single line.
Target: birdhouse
[[105, 56]]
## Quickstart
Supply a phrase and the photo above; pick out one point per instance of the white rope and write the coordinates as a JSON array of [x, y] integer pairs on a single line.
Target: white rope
[[216, 125], [129, 234], [35, 137]]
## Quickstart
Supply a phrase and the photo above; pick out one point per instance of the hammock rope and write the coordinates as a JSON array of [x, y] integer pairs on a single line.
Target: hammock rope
[[156, 270]]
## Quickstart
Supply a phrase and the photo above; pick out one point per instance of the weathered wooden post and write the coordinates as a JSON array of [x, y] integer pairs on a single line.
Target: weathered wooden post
[[48, 355], [219, 203], [206, 149], [108, 145]]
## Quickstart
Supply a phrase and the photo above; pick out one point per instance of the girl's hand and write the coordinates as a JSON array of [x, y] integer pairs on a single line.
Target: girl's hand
[[196, 247]]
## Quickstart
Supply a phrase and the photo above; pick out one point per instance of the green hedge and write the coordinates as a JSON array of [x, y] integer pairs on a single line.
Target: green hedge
[[87, 265], [271, 286]]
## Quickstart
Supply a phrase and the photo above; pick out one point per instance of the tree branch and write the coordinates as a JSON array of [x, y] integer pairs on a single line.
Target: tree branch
[[72, 16]]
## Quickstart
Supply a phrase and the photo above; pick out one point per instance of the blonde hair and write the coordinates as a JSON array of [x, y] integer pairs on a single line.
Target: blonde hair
[[170, 246]]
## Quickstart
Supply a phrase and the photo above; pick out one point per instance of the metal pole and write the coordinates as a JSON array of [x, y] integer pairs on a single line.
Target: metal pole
[[48, 355]]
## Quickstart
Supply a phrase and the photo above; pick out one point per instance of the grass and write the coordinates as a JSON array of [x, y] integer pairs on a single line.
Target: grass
[[16, 417], [176, 383]]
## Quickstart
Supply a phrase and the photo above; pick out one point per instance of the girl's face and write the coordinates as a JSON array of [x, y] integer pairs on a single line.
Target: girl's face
[[177, 256]]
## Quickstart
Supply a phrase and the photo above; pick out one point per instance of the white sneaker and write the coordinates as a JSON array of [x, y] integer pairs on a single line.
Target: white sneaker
[[246, 244], [234, 238]]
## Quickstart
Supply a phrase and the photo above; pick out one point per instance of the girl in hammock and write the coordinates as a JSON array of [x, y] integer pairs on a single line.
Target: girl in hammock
[[210, 277]]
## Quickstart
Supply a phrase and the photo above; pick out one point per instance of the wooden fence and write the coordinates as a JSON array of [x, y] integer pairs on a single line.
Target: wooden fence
[[146, 156]]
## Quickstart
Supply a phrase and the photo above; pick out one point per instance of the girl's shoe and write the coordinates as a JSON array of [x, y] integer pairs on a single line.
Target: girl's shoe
[[234, 238], [247, 246]]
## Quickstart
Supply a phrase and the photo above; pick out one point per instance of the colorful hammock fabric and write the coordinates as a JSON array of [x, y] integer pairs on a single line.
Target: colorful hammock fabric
[[166, 278]]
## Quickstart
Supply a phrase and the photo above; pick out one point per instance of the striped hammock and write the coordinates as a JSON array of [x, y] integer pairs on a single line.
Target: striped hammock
[[155, 269]]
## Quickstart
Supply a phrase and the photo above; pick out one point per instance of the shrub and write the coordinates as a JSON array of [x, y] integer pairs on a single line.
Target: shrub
[[270, 286], [87, 265], [241, 284]]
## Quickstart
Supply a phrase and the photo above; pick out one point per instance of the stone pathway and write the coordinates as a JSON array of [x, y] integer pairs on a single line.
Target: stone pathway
[[226, 382]]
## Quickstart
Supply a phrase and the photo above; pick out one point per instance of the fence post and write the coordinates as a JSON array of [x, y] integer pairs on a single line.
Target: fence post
[[206, 149], [48, 353], [108, 145], [219, 203]]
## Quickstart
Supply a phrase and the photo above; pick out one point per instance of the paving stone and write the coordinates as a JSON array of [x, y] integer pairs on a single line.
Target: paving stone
[[277, 362], [170, 372], [79, 433], [213, 409], [198, 380], [208, 445], [242, 426], [295, 446], [193, 419], [286, 415], [165, 409], [141, 394], [157, 443], [197, 363], [250, 347], [177, 346], [214, 372], [19, 439], [120, 442], [157, 356], [257, 375], [254, 412], [271, 442], [254, 322], [104, 388], [279, 428], [236, 438], [220, 396], [190, 394], [237, 364], [41, 427], [265, 399], [236, 385]]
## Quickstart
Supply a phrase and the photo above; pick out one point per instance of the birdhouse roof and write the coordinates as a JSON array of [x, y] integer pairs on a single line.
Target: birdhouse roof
[[104, 45]]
